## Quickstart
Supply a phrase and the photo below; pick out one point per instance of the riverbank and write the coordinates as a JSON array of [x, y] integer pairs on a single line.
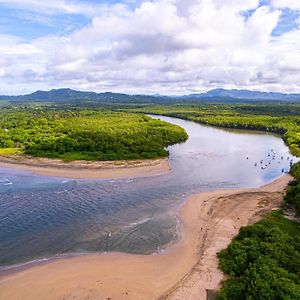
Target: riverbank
[[86, 169], [186, 270]]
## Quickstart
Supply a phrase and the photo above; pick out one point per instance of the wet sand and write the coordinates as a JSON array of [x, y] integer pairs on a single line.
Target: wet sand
[[186, 270], [87, 169]]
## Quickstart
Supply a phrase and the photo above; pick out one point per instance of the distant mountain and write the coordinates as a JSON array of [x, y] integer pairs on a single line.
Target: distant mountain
[[218, 95], [69, 95], [246, 95], [59, 94]]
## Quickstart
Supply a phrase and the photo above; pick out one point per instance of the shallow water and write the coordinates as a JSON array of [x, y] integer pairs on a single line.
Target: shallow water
[[43, 216]]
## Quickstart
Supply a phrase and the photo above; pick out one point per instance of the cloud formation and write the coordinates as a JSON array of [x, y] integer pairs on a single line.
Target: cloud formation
[[163, 46], [54, 6], [290, 4]]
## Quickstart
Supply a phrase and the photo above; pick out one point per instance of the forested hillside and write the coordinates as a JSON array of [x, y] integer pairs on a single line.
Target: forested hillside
[[85, 134]]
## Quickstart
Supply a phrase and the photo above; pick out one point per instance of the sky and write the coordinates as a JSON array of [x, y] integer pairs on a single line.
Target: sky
[[170, 47]]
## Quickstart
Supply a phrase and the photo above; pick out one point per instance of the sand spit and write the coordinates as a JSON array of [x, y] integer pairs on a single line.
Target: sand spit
[[186, 270], [87, 169]]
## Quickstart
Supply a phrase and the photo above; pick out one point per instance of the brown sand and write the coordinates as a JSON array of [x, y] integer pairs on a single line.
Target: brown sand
[[185, 270], [87, 169]]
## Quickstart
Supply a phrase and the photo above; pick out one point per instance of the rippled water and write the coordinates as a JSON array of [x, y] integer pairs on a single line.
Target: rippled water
[[44, 216]]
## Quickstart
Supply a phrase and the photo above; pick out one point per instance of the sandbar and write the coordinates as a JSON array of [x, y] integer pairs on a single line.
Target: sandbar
[[188, 269], [87, 169]]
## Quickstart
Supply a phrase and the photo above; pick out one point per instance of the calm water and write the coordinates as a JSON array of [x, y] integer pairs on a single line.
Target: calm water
[[42, 216]]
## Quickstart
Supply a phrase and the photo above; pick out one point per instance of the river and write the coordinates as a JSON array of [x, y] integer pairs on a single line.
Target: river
[[42, 217]]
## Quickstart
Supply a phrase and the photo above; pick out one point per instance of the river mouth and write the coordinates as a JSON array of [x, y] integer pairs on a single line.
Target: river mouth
[[43, 216]]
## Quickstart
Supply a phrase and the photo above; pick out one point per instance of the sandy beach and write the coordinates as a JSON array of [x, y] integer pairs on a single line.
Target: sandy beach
[[186, 270], [87, 169]]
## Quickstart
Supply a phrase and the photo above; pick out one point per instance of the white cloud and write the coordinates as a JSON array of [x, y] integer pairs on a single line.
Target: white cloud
[[165, 46], [59, 6], [291, 4], [236, 5]]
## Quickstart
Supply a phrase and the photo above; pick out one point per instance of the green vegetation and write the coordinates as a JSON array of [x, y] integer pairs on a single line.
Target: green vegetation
[[85, 134], [5, 151], [295, 171], [292, 196], [273, 117], [263, 261], [283, 119]]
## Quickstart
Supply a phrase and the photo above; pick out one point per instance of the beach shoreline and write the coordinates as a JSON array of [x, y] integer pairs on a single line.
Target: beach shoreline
[[188, 269], [87, 169]]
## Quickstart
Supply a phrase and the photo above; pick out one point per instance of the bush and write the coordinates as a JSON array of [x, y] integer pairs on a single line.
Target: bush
[[263, 261]]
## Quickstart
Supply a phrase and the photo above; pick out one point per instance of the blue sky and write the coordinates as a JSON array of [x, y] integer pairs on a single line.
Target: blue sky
[[28, 22], [30, 25], [287, 20], [163, 46]]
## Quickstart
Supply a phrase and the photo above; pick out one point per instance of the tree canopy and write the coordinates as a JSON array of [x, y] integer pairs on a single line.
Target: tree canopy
[[263, 261], [86, 134]]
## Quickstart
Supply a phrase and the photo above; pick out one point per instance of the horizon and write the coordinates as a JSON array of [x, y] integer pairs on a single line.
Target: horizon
[[142, 94], [169, 47]]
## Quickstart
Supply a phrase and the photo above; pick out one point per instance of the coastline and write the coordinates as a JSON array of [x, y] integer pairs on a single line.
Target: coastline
[[187, 269], [87, 169]]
